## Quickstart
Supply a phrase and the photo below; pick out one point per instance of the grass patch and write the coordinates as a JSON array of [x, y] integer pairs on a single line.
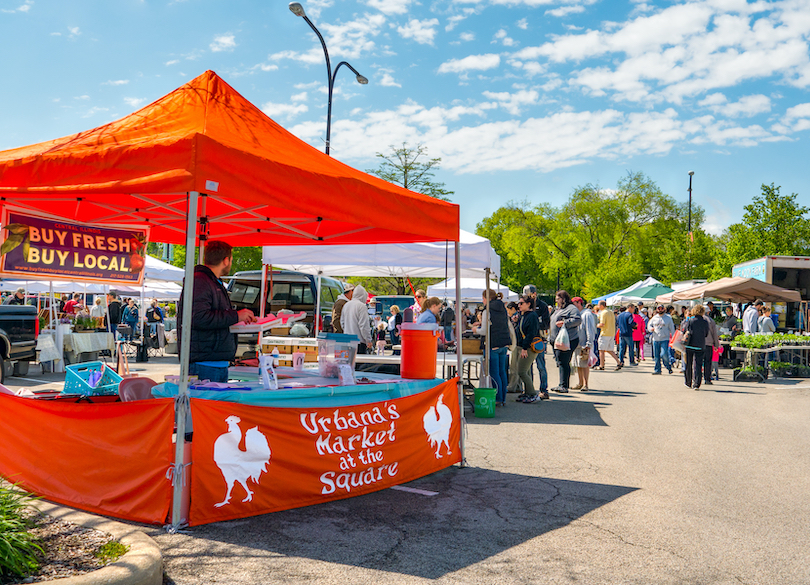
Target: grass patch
[[18, 547], [110, 552]]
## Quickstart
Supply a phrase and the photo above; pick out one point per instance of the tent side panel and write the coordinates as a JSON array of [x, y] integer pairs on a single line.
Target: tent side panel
[[109, 459]]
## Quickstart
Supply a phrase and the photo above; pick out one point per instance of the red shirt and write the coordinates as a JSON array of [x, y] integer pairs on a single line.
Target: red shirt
[[70, 307]]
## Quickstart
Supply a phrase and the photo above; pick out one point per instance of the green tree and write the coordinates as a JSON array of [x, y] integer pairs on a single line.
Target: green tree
[[410, 167], [600, 240], [773, 225], [244, 258]]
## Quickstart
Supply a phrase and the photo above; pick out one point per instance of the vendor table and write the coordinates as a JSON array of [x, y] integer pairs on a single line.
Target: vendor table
[[307, 389], [76, 344], [797, 354]]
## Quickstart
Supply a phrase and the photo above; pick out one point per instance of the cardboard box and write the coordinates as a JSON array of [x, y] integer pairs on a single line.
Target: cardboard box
[[470, 345]]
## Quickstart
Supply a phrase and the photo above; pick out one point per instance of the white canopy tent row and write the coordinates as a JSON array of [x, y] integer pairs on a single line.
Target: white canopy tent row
[[471, 289], [477, 260]]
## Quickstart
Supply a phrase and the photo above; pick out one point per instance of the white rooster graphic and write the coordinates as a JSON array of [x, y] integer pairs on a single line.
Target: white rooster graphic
[[237, 465], [437, 422]]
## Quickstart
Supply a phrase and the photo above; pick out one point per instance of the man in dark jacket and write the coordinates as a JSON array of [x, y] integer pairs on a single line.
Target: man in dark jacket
[[446, 319], [213, 346], [541, 308], [115, 310]]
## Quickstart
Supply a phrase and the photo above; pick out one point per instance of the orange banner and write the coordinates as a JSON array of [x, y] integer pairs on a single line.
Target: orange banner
[[251, 460], [110, 459]]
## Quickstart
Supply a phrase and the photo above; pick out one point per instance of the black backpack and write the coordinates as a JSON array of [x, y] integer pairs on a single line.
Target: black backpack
[[542, 314]]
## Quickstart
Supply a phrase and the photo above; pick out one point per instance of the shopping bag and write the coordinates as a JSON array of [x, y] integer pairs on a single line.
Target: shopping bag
[[677, 342], [592, 359], [562, 342]]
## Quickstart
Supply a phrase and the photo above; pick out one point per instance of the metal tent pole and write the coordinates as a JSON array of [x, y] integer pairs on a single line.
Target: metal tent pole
[[316, 317], [459, 359], [182, 401], [486, 379]]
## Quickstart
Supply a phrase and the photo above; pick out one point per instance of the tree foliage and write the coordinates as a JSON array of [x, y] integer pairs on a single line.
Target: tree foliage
[[600, 240], [410, 167], [773, 225]]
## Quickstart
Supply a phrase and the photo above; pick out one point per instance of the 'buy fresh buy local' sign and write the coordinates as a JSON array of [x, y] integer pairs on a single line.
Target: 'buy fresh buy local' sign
[[42, 248]]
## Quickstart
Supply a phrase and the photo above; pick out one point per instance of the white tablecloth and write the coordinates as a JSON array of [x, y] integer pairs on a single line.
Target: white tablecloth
[[87, 342], [47, 349]]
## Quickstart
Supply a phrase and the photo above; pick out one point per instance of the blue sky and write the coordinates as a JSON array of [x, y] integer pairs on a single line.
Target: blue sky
[[523, 100]]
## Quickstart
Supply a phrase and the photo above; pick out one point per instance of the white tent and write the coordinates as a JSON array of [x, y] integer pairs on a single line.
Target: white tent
[[159, 270], [434, 259], [471, 289]]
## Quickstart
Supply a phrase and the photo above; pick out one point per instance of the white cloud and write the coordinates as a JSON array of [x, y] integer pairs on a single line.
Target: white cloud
[[74, 32], [387, 79], [565, 11], [82, 97], [472, 62], [513, 102], [347, 40], [314, 7], [467, 36], [134, 102], [686, 50], [502, 36], [25, 7], [116, 82], [172, 62], [283, 110], [747, 106], [796, 119], [453, 21], [226, 42], [299, 97], [390, 6], [94, 110], [522, 24], [421, 31]]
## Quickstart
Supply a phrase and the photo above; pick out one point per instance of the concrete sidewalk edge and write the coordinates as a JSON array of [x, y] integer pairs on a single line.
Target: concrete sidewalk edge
[[141, 565]]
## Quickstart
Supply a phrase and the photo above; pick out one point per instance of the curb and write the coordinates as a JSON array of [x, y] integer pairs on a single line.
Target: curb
[[141, 565]]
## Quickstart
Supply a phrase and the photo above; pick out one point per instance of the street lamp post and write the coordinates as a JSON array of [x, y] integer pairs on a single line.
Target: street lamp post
[[298, 10], [689, 228]]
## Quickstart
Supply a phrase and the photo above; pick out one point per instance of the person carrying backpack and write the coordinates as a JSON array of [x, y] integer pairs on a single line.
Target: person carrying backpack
[[541, 309]]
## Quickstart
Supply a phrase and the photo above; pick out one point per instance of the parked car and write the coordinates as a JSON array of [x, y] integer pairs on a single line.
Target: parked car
[[18, 339], [291, 290], [383, 303]]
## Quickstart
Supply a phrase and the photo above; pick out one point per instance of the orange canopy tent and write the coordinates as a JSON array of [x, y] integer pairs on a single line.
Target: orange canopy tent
[[258, 183]]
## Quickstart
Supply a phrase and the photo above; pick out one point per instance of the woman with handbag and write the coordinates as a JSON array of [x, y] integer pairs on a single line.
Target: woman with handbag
[[566, 317], [697, 329], [528, 334]]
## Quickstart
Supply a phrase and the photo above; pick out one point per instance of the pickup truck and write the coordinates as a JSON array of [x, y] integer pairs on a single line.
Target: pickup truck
[[18, 339]]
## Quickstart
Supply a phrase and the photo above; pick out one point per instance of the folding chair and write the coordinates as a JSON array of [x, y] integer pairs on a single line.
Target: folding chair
[[137, 388]]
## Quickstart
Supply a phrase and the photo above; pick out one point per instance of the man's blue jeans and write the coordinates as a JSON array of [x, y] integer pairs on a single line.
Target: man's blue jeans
[[540, 360], [625, 342], [497, 371], [448, 333], [661, 353]]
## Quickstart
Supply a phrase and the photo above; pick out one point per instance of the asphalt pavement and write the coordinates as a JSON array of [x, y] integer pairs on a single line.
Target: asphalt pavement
[[639, 481]]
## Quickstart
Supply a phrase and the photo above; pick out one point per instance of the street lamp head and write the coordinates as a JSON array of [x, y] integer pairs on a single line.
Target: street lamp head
[[691, 173], [362, 80], [297, 9]]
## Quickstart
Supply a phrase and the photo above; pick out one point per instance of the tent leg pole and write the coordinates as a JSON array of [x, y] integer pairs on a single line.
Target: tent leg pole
[[317, 316], [182, 401], [460, 360], [487, 379]]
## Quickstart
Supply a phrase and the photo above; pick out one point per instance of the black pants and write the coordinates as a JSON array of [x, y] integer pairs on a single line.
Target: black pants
[[694, 367], [564, 363], [707, 363]]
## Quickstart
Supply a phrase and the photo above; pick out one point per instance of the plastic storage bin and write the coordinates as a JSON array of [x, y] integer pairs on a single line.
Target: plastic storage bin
[[78, 374], [335, 349]]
